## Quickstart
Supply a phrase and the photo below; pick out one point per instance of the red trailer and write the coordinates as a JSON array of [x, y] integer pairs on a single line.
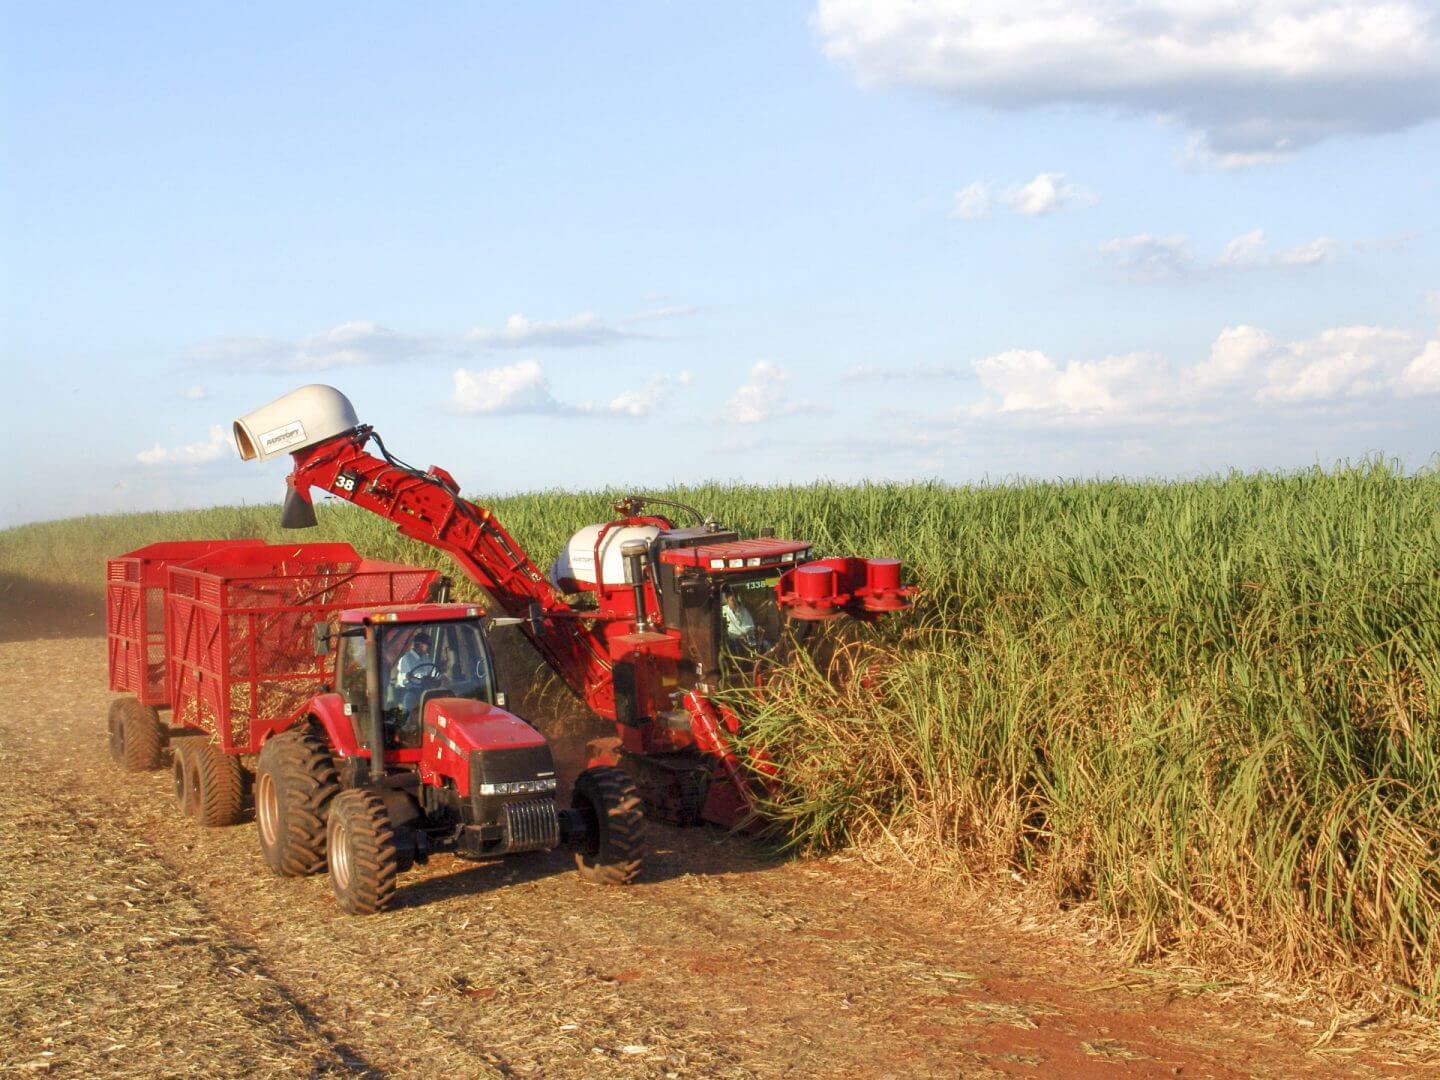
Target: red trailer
[[371, 715], [135, 644]]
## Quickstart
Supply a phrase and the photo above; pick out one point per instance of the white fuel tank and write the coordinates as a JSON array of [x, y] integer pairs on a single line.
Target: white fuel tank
[[577, 562], [301, 418]]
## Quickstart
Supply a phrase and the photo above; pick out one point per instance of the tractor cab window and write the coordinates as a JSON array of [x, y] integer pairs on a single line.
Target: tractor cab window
[[422, 661], [350, 679]]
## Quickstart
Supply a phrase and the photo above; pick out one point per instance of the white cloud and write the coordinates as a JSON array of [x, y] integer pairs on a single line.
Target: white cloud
[[765, 396], [194, 393], [1023, 380], [648, 399], [1247, 371], [509, 389], [1255, 81], [1048, 193], [351, 344], [1235, 357], [513, 389], [972, 202], [1249, 252], [361, 342], [1150, 258], [196, 453], [1422, 375], [757, 399], [578, 331], [1347, 361], [1198, 152], [1146, 257]]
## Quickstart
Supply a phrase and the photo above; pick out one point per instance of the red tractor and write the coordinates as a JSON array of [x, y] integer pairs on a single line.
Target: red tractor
[[643, 620], [377, 729]]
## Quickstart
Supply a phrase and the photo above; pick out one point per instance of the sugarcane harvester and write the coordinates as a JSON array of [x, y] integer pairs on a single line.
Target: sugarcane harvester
[[632, 614]]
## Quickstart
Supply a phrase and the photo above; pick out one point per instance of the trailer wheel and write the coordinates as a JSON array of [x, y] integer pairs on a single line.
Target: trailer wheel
[[616, 827], [294, 784], [217, 786], [364, 857], [182, 770], [136, 741], [117, 744]]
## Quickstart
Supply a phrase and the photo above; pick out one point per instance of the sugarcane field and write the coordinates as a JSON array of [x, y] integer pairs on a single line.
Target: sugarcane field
[[833, 539]]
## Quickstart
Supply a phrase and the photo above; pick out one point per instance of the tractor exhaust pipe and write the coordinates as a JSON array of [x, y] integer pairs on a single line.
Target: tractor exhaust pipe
[[633, 552]]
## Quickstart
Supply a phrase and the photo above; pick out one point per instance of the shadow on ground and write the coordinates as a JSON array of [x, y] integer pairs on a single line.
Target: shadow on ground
[[31, 610], [702, 851]]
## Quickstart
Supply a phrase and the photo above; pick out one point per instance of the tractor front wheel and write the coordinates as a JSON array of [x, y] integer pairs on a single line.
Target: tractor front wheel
[[364, 856], [294, 785], [615, 821], [137, 742]]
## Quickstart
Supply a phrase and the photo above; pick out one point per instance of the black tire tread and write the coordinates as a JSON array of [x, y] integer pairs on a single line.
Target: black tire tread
[[113, 728], [182, 772], [142, 747], [222, 787], [620, 846], [374, 853], [306, 781]]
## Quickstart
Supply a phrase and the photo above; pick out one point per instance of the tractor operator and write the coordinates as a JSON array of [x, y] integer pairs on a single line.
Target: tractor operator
[[415, 666]]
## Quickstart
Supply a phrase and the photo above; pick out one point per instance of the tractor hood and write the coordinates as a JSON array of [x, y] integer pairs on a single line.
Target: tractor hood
[[492, 756], [476, 725]]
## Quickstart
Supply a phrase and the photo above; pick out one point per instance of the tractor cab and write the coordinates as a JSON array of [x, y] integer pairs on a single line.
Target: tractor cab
[[408, 657]]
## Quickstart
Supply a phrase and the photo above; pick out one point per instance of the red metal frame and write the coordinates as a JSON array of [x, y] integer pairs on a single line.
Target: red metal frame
[[239, 630], [134, 590]]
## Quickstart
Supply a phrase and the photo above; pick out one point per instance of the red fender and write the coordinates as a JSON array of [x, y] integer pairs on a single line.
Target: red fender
[[329, 710]]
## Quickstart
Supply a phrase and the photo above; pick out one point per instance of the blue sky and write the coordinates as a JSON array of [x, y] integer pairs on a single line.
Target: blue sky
[[577, 245]]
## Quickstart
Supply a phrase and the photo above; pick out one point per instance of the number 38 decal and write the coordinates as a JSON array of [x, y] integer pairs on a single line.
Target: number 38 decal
[[349, 482]]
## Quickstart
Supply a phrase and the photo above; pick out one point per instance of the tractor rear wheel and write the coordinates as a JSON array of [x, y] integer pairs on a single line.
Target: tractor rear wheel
[[218, 783], [364, 856], [137, 742], [294, 784], [616, 826]]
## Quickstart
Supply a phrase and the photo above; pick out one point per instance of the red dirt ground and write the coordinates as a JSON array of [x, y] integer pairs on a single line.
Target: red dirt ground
[[135, 943]]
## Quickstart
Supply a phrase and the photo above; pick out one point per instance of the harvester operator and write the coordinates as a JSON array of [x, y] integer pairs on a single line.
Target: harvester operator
[[741, 635]]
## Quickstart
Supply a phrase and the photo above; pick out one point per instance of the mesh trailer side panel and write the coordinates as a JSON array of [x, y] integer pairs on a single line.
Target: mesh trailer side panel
[[241, 634]]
